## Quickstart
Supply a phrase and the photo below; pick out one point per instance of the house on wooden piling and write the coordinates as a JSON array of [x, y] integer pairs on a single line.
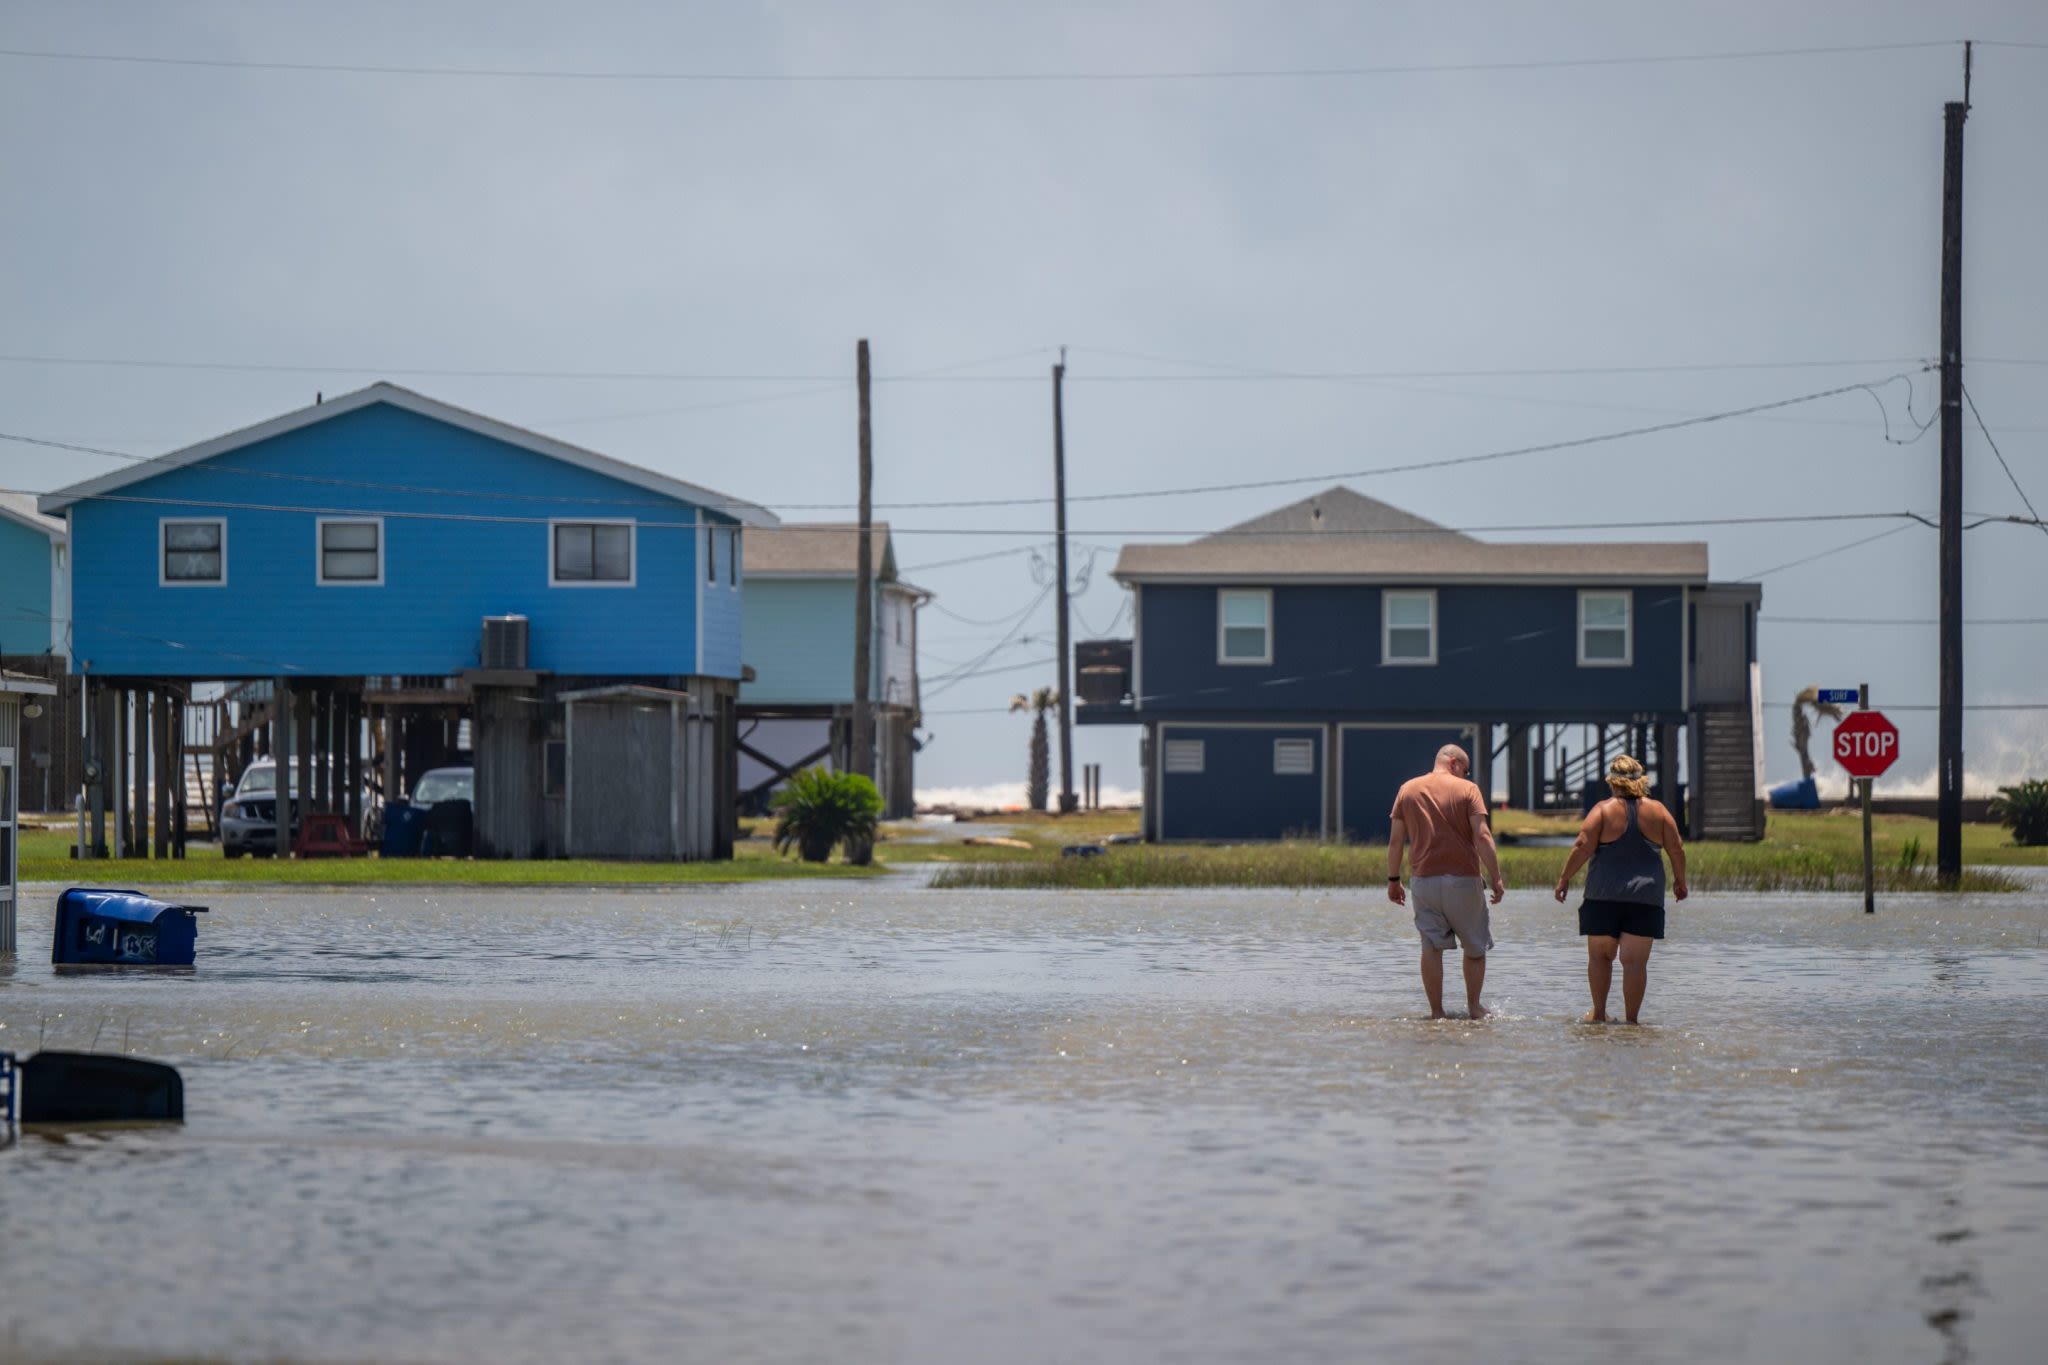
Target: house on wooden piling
[[1287, 673], [35, 619], [369, 573], [799, 610]]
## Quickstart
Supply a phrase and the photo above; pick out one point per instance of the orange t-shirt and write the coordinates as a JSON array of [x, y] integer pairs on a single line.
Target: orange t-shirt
[[1437, 809]]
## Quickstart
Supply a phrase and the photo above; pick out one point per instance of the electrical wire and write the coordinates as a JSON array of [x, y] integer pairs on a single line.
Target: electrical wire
[[1897, 621], [1988, 440], [1826, 554], [926, 78]]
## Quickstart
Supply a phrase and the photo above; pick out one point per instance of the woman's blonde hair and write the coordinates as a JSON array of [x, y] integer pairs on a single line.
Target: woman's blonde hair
[[1626, 777]]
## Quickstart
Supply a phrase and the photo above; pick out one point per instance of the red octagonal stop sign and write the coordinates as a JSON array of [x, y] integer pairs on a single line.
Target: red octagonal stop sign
[[1866, 743]]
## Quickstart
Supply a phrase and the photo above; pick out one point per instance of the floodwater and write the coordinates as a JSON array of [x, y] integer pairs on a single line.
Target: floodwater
[[881, 1122]]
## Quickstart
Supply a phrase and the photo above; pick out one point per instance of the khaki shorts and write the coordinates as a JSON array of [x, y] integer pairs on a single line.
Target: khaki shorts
[[1451, 912]]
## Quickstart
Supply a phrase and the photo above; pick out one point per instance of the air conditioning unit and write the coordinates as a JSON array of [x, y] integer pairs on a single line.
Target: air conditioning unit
[[504, 644]]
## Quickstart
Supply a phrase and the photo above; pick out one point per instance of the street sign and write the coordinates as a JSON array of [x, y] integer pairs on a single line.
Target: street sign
[[1840, 696], [1866, 743]]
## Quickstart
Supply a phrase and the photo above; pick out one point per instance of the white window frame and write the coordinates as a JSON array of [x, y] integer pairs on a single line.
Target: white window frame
[[1628, 628], [1387, 596], [163, 579], [1223, 595], [320, 525], [632, 553], [1289, 743]]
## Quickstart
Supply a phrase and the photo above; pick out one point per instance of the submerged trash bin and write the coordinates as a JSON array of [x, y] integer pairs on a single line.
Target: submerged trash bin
[[403, 824], [123, 928], [88, 1087]]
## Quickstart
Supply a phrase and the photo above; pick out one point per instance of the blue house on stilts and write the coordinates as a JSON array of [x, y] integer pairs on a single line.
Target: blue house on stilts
[[1287, 673]]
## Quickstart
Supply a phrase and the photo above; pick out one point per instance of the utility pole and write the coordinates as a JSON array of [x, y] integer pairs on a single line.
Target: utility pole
[[1059, 491], [862, 759], [1949, 805]]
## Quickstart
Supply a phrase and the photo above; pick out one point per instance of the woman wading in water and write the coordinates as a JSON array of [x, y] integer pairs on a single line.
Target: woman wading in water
[[1625, 837]]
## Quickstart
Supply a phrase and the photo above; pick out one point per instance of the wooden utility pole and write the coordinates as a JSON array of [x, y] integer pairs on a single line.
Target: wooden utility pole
[[862, 759], [1059, 492], [1949, 773]]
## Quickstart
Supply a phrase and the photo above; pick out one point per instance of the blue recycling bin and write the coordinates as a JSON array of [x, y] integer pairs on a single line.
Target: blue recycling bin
[[1797, 795], [99, 927], [404, 823]]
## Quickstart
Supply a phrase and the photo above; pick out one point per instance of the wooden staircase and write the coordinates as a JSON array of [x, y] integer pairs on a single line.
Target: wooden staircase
[[1724, 776]]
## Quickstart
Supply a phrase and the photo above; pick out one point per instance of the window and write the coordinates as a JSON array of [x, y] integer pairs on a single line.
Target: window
[[732, 556], [351, 551], [591, 553], [554, 779], [1244, 626], [193, 552], [1294, 757], [710, 554], [1185, 755], [1408, 627], [1606, 639]]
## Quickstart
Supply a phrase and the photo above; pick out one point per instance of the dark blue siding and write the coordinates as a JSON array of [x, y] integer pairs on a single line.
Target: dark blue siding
[[1501, 650], [1237, 795], [1375, 763]]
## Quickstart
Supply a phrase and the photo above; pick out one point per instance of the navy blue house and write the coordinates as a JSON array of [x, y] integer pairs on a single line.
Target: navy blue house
[[1288, 673], [385, 566]]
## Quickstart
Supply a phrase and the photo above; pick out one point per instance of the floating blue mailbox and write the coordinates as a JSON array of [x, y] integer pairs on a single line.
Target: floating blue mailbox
[[124, 929]]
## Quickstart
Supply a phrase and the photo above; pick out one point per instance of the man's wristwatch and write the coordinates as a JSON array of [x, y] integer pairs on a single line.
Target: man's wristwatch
[[1395, 878]]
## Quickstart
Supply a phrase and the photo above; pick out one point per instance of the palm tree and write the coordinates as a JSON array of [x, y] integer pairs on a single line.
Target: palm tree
[[1038, 788]]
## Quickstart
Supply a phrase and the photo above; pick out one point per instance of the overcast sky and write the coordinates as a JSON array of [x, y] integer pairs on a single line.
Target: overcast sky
[[1781, 213]]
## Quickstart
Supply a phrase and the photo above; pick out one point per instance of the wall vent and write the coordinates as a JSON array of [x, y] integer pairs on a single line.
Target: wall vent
[[504, 644]]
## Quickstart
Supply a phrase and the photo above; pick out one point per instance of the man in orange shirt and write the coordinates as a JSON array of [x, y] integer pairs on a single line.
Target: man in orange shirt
[[1444, 815]]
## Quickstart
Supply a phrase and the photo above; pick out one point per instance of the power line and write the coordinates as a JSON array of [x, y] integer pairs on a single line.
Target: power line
[[1232, 74], [1988, 440], [1897, 621], [1825, 554]]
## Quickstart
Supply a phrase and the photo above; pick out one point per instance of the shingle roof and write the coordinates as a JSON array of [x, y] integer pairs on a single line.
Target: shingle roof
[[1339, 534], [396, 396], [21, 507], [817, 550]]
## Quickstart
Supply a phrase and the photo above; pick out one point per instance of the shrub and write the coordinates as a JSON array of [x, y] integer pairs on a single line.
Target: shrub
[[2024, 811], [820, 808]]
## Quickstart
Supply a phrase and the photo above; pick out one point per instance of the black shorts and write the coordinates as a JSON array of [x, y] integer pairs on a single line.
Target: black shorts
[[1612, 919]]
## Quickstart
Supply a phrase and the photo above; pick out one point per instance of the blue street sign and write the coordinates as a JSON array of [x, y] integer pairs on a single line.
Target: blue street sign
[[1847, 696]]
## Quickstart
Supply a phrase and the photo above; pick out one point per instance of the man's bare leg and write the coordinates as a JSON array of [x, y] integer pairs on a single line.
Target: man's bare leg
[[1635, 972], [1600, 952], [1433, 979], [1475, 977]]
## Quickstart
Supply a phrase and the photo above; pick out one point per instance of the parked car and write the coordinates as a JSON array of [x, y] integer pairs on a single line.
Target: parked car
[[248, 817]]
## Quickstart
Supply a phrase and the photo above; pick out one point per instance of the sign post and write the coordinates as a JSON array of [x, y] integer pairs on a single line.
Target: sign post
[[1865, 745]]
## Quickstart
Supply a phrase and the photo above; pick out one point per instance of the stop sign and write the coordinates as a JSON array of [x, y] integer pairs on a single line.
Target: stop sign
[[1866, 743]]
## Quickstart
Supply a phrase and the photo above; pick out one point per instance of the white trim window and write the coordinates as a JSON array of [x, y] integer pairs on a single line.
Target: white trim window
[[1244, 625], [1606, 628], [1294, 758], [192, 552], [1408, 627], [592, 554], [351, 551], [1186, 755]]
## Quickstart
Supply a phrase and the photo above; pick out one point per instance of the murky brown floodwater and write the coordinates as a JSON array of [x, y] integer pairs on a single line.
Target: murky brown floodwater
[[879, 1122]]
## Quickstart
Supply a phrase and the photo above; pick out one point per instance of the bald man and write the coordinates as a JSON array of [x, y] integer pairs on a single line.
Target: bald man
[[1444, 816]]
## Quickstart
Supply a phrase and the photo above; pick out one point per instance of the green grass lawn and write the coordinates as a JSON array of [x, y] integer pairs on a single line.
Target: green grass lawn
[[46, 857], [1814, 851]]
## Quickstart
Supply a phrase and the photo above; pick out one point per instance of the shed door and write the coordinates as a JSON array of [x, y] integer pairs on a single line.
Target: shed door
[[10, 712]]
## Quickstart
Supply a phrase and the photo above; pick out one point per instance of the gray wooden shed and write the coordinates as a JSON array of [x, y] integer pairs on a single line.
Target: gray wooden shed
[[641, 774], [16, 691]]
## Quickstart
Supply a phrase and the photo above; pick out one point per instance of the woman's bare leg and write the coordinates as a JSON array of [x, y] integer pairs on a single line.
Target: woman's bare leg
[[1600, 950], [1635, 971]]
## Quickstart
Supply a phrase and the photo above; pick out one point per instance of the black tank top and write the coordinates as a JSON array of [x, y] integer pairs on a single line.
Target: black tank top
[[1631, 869]]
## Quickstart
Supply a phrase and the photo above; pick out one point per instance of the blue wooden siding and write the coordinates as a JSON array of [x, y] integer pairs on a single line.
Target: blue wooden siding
[[799, 642], [1500, 650], [1238, 795], [25, 626], [441, 576], [1374, 762]]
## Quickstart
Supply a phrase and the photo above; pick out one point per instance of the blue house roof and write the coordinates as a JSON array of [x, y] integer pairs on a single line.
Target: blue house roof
[[746, 513]]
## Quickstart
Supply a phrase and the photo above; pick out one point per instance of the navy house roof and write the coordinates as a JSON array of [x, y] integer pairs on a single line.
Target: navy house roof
[[1342, 536]]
